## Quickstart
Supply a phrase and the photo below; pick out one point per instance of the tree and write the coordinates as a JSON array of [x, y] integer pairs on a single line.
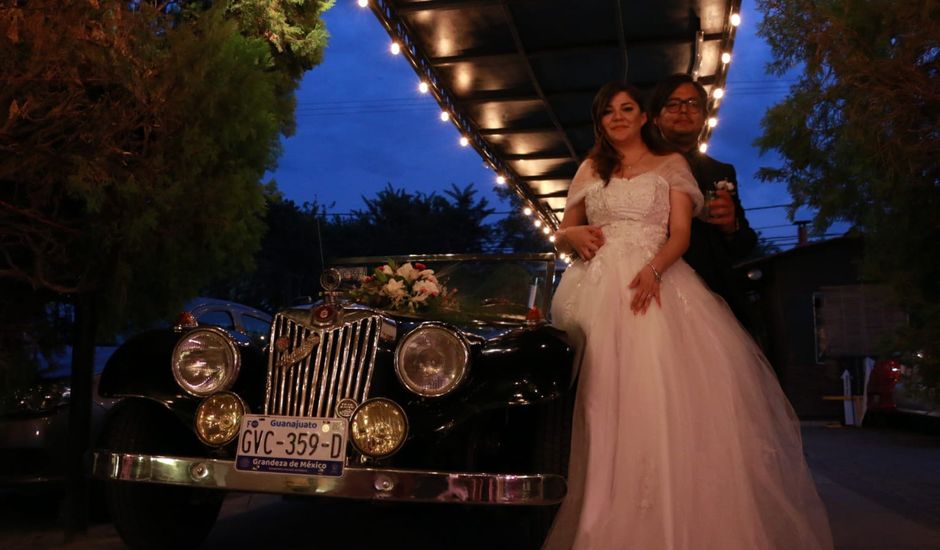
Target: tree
[[399, 222], [516, 231], [133, 137], [859, 137], [288, 264]]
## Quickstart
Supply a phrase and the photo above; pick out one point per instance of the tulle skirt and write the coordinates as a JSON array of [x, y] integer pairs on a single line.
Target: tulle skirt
[[682, 437]]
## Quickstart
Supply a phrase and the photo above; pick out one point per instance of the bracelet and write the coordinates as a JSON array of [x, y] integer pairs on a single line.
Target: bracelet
[[657, 274]]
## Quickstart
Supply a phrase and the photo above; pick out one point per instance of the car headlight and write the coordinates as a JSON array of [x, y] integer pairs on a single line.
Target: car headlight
[[205, 361], [219, 417], [432, 360], [378, 427]]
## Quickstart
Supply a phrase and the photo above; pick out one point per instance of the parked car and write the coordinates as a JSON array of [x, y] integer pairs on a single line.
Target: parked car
[[34, 420], [895, 387], [465, 402]]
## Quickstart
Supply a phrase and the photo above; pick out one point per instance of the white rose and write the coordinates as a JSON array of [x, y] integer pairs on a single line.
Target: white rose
[[426, 287], [394, 289], [408, 272], [428, 275], [420, 298]]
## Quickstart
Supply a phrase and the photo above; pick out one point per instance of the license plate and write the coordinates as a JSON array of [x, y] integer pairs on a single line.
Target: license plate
[[291, 445]]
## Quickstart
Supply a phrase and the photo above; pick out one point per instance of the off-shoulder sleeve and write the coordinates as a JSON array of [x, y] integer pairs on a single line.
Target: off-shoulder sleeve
[[675, 170], [584, 180]]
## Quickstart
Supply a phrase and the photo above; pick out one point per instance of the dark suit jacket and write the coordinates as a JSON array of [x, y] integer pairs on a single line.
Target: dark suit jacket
[[711, 254]]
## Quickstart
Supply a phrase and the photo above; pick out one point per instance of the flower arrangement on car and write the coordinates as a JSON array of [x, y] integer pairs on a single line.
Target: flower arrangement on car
[[409, 288]]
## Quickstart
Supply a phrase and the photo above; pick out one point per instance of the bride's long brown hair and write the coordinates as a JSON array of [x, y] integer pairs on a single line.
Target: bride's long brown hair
[[606, 158]]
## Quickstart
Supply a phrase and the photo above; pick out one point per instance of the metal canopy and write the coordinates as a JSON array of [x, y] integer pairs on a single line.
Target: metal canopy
[[517, 76]]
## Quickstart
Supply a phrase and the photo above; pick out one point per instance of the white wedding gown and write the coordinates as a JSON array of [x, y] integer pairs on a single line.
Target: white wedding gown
[[682, 437]]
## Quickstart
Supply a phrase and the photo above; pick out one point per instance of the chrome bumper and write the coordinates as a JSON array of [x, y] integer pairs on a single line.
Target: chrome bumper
[[356, 482]]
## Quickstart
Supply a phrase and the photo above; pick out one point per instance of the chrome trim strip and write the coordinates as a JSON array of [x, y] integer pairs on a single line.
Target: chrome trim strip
[[375, 349], [356, 483]]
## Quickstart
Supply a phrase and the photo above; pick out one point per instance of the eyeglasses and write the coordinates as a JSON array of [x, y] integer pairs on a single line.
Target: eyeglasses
[[675, 105]]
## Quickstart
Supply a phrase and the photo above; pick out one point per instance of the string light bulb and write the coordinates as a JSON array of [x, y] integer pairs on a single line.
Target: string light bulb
[[546, 230], [712, 122], [464, 141], [551, 239], [527, 211], [735, 19], [702, 147], [423, 87], [718, 93], [500, 180], [445, 116], [395, 48], [537, 223], [363, 3], [726, 58]]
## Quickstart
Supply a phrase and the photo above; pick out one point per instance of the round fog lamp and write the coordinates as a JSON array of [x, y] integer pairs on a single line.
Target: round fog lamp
[[218, 418], [378, 428]]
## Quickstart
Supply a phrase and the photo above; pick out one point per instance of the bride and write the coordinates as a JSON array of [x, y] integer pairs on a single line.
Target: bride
[[682, 437]]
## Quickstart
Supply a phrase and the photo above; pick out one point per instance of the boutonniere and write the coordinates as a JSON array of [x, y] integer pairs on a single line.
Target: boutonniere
[[724, 185]]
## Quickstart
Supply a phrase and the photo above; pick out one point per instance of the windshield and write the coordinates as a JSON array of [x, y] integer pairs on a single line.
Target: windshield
[[458, 288]]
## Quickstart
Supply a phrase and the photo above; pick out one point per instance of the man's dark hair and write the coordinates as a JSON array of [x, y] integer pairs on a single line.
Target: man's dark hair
[[666, 86]]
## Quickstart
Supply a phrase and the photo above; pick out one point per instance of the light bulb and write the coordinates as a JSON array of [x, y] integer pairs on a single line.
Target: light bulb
[[551, 239], [423, 87], [537, 223], [395, 48], [712, 122], [445, 116], [546, 230], [726, 58], [500, 180], [363, 3], [464, 141], [718, 93], [527, 211], [702, 147], [735, 19]]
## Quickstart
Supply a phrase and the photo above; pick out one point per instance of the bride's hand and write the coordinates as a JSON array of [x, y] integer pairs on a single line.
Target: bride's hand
[[645, 290], [586, 240]]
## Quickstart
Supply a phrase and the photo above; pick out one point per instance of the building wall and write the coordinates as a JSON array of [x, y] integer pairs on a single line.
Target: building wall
[[784, 307]]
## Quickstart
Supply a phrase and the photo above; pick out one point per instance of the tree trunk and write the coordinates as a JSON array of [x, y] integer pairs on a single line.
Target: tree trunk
[[83, 356]]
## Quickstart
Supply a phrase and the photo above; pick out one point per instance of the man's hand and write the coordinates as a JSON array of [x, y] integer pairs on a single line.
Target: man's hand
[[586, 240], [721, 212]]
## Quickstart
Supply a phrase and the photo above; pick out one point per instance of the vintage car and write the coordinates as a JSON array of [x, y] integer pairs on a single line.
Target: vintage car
[[372, 396], [34, 420]]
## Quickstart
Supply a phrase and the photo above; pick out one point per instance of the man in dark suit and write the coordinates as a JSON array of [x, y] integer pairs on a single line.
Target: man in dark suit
[[721, 235]]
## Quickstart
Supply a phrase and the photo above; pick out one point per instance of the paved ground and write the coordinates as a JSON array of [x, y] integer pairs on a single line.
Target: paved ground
[[881, 488]]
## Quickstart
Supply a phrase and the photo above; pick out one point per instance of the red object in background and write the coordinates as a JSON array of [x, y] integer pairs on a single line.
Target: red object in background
[[533, 315], [185, 320], [881, 384]]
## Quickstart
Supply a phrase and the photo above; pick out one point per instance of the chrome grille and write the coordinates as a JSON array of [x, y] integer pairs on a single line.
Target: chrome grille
[[319, 366]]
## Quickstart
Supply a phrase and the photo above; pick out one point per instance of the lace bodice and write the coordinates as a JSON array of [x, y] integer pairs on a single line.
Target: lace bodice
[[634, 209]]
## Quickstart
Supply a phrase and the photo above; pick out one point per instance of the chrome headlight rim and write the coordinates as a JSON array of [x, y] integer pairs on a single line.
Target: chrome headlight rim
[[370, 402], [433, 325], [228, 379], [234, 436]]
